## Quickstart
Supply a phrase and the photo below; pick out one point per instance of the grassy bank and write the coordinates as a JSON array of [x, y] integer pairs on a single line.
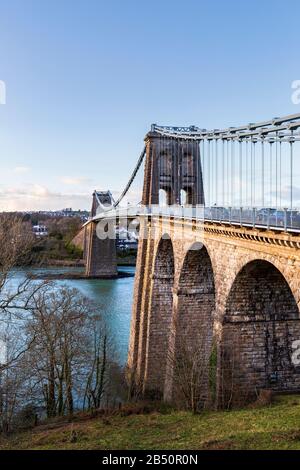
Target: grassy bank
[[276, 426]]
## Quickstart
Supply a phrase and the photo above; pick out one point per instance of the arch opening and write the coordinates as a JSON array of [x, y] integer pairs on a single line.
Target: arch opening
[[183, 197], [160, 318], [163, 198], [261, 325], [191, 343], [186, 196]]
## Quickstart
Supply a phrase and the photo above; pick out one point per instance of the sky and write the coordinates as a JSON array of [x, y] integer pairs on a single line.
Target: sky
[[85, 79]]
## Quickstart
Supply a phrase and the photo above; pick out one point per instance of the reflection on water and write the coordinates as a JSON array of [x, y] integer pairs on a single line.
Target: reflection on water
[[114, 297]]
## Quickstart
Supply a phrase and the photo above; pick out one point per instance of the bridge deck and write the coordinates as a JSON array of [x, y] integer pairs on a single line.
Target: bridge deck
[[261, 219]]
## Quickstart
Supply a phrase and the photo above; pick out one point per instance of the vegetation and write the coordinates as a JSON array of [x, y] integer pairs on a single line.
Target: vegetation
[[56, 352], [126, 257], [276, 426], [61, 359], [58, 244], [56, 247]]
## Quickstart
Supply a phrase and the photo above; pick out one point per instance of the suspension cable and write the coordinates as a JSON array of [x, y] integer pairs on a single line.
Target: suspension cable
[[133, 175]]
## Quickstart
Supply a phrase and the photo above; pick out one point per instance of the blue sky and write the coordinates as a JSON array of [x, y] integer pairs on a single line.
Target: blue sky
[[86, 78]]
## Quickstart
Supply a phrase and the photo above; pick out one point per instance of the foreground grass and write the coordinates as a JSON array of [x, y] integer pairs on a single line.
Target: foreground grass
[[272, 427]]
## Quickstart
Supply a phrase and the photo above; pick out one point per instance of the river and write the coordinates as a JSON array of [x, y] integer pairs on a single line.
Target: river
[[113, 296]]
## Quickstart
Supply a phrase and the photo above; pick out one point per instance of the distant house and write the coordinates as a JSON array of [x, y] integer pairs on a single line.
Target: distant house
[[40, 230]]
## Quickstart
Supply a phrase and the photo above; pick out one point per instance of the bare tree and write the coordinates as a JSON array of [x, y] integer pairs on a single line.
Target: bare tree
[[14, 376], [59, 326], [16, 291], [103, 379], [188, 370], [237, 385], [16, 241]]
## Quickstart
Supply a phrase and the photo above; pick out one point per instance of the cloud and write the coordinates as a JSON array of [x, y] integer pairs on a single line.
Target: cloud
[[75, 180], [39, 197], [34, 197], [39, 191], [21, 169]]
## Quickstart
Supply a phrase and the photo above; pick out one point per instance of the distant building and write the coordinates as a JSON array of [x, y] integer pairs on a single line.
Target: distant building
[[40, 230], [67, 212]]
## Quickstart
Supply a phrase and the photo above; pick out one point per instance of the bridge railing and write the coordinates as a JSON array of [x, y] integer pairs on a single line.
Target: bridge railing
[[268, 218], [281, 219]]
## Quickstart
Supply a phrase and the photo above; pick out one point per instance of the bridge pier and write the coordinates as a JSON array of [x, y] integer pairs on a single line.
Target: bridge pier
[[100, 255]]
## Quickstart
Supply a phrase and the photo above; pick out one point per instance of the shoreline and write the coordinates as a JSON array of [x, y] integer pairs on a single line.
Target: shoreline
[[78, 263], [74, 276]]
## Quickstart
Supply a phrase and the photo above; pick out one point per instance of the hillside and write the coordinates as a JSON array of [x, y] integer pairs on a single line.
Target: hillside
[[276, 426]]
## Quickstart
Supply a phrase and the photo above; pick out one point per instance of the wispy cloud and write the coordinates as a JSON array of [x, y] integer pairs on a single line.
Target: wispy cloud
[[36, 196], [39, 197], [21, 169]]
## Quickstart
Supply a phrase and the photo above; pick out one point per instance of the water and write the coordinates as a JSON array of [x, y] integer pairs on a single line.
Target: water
[[113, 296]]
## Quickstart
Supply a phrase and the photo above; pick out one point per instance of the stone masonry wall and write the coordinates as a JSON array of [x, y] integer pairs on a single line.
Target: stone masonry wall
[[192, 322], [101, 259], [160, 318]]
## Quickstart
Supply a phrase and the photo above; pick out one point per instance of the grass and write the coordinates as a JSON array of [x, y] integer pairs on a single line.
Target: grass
[[276, 426]]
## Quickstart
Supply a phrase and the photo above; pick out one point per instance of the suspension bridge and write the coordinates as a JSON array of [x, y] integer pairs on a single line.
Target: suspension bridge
[[244, 176], [218, 266]]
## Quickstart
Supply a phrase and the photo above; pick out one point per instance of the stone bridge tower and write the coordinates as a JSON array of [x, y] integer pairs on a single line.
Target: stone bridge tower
[[100, 255], [172, 167]]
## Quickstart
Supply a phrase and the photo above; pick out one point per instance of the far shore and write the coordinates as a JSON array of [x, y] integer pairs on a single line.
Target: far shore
[[73, 276], [68, 263]]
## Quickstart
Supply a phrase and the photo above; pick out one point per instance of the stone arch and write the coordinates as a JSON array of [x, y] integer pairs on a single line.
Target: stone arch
[[228, 270], [160, 317], [260, 324], [191, 341]]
